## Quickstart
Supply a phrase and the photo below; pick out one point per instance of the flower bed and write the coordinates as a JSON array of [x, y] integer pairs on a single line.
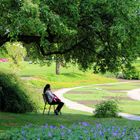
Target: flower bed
[[80, 131]]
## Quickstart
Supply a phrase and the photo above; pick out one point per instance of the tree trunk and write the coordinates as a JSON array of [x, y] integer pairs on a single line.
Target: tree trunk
[[57, 67]]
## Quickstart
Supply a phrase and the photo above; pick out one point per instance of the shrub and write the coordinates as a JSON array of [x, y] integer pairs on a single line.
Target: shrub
[[13, 95], [106, 109], [129, 73]]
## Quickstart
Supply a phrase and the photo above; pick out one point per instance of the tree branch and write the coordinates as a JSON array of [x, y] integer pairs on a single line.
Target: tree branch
[[36, 39], [24, 38], [67, 50]]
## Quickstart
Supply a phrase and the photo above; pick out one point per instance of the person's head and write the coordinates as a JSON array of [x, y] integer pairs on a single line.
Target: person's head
[[47, 87]]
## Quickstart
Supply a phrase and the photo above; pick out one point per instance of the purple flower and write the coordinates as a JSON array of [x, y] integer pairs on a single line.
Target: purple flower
[[85, 123], [101, 133], [52, 126], [62, 126], [98, 125], [115, 133]]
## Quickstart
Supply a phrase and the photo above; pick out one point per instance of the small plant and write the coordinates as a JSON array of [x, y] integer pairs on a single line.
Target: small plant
[[106, 109]]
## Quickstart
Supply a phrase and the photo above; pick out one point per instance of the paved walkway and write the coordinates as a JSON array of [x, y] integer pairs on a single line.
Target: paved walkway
[[71, 104], [77, 106], [134, 94]]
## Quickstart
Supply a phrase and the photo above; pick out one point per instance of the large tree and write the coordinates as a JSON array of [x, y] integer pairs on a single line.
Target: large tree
[[99, 33]]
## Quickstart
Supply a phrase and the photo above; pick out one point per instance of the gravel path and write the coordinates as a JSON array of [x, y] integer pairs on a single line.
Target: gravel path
[[134, 94]]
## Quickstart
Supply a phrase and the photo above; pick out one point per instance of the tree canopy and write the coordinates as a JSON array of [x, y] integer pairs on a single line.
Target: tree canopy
[[102, 34]]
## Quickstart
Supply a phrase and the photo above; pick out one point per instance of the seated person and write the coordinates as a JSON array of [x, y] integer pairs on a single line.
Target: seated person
[[53, 99]]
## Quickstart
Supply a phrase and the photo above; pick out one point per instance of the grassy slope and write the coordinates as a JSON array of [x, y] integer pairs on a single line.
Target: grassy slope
[[69, 77], [36, 78], [10, 121]]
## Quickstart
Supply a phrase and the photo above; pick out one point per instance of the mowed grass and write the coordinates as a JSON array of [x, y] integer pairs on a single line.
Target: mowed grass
[[37, 76], [10, 121], [14, 120], [91, 95]]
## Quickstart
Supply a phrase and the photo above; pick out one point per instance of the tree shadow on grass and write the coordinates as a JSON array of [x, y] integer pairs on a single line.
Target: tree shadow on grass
[[72, 75], [11, 120]]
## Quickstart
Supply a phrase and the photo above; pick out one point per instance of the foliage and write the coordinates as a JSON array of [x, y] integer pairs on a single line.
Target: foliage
[[82, 130], [106, 109], [131, 74], [16, 54], [13, 96], [102, 34], [15, 51]]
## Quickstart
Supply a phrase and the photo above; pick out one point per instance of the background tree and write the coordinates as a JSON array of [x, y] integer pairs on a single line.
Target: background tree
[[16, 52], [102, 34]]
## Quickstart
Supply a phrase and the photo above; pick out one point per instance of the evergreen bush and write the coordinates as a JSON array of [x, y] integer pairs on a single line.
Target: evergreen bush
[[13, 95]]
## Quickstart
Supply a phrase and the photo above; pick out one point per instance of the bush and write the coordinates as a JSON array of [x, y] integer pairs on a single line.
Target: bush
[[129, 73], [106, 109], [13, 96]]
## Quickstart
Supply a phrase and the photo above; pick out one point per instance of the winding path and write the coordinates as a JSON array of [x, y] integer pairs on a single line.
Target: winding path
[[135, 94]]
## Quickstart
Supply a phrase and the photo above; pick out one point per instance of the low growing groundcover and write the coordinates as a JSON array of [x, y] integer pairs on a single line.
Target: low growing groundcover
[[99, 130]]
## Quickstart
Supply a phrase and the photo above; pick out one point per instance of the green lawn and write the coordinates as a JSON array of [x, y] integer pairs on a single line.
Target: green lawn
[[10, 121], [122, 86], [36, 77], [13, 120], [70, 77], [95, 94]]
